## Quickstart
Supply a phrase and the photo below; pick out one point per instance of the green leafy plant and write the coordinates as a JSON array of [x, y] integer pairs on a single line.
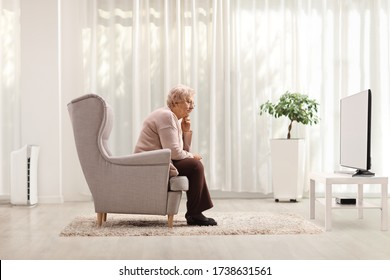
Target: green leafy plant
[[295, 106]]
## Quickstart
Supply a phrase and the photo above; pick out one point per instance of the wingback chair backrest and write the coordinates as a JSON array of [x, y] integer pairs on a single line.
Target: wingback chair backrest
[[92, 122]]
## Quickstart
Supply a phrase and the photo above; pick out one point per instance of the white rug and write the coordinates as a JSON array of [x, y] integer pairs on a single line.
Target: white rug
[[243, 223]]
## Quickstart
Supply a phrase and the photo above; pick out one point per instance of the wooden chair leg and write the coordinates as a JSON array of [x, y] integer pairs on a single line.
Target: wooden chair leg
[[99, 219], [104, 217], [170, 220]]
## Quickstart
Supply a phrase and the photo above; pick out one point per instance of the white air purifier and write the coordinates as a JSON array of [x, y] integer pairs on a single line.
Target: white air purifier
[[24, 173]]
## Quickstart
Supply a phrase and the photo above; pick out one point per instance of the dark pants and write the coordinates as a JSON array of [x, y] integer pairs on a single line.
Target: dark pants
[[198, 196]]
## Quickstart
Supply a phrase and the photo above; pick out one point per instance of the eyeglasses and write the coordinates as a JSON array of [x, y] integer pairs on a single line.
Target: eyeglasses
[[189, 102]]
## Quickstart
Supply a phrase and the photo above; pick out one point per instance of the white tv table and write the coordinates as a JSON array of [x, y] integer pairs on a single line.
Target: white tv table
[[330, 179]]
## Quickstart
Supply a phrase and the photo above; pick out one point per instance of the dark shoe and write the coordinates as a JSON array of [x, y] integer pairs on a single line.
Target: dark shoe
[[200, 220]]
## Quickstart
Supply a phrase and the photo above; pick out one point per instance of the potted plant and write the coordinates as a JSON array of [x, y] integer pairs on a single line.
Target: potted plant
[[288, 154]]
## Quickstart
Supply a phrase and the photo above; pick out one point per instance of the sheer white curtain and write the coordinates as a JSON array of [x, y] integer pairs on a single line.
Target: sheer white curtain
[[9, 87], [236, 55]]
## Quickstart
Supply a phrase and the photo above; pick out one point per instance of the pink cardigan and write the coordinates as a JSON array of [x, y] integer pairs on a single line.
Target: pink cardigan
[[162, 130]]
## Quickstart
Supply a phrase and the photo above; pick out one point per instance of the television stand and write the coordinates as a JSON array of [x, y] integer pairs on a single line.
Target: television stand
[[330, 179]]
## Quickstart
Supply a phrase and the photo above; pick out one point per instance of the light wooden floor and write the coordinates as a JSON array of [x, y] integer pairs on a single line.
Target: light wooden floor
[[33, 233]]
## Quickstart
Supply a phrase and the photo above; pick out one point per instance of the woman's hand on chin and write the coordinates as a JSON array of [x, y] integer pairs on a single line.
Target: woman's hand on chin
[[186, 124]]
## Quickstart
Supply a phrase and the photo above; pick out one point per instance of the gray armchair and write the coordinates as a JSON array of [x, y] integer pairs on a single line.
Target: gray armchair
[[131, 184]]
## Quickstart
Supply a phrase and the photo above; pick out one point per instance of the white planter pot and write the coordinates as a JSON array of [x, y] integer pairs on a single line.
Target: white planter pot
[[288, 161]]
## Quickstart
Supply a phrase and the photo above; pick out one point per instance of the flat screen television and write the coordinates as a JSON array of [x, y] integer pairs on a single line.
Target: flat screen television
[[355, 133]]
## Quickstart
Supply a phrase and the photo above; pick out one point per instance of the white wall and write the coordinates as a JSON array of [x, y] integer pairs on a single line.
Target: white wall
[[40, 95]]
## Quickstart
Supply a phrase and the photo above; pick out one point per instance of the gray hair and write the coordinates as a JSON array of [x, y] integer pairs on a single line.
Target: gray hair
[[178, 94]]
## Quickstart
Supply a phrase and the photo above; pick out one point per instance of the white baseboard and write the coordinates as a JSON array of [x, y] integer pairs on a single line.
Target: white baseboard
[[50, 199], [238, 195], [5, 199], [78, 198]]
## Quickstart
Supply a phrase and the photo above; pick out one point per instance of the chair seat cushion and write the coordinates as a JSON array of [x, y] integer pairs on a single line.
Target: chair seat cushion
[[178, 183]]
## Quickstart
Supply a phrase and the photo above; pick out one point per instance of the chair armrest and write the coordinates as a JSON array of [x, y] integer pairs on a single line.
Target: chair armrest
[[178, 183], [150, 158]]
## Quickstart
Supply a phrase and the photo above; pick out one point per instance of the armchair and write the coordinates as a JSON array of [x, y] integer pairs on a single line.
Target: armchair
[[130, 184]]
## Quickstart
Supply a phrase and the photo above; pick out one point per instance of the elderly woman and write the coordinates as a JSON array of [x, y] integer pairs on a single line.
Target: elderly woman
[[170, 128]]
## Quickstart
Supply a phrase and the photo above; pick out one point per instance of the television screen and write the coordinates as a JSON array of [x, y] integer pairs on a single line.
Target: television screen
[[355, 132]]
